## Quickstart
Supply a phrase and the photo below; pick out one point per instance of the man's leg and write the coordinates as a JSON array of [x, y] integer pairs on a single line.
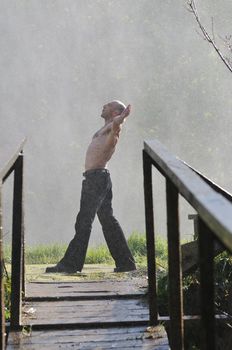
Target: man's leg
[[92, 195], [114, 236]]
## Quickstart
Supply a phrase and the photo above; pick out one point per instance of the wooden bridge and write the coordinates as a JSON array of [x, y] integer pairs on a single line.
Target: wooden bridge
[[111, 313], [87, 315]]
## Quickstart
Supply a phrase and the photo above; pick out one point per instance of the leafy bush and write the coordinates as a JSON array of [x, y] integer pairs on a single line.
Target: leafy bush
[[191, 292]]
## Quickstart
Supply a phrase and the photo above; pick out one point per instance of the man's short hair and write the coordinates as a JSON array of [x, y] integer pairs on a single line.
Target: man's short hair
[[120, 107]]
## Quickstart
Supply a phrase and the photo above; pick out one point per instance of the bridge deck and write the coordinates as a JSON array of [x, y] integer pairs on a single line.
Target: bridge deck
[[87, 315], [121, 338]]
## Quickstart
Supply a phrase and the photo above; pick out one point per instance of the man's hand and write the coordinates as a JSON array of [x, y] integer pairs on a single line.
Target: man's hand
[[117, 121], [120, 118], [126, 112]]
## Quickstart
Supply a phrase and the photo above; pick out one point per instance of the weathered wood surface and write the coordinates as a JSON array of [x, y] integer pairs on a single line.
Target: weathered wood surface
[[119, 323], [117, 338], [212, 207], [17, 244], [84, 311], [88, 289], [150, 238], [2, 296], [8, 166], [190, 255]]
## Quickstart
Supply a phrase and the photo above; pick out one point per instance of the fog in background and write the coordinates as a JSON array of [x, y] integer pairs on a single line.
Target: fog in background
[[62, 60]]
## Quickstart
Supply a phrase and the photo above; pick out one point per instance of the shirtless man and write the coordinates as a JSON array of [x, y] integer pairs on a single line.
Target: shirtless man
[[96, 198]]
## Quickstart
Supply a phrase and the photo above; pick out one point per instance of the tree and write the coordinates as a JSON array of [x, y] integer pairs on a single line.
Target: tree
[[211, 37]]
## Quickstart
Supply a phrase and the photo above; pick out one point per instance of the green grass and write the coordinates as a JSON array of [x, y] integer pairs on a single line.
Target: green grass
[[52, 253], [137, 244]]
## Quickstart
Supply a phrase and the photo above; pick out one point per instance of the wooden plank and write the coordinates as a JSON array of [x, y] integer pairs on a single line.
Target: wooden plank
[[55, 323], [40, 291], [118, 338], [190, 255], [67, 312], [125, 345], [213, 208], [212, 184]]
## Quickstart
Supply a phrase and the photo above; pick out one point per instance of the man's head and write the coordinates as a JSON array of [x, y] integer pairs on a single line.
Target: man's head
[[112, 109]]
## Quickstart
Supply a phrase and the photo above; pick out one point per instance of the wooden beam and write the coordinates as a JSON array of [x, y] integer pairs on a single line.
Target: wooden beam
[[174, 269], [2, 301], [150, 239], [17, 245], [212, 207], [206, 255]]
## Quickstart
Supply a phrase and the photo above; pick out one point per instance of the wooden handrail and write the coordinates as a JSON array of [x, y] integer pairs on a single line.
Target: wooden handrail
[[8, 167], [214, 209], [212, 184], [15, 165]]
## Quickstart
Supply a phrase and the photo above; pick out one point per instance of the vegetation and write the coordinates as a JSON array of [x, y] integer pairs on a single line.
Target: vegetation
[[191, 290], [52, 253], [7, 291]]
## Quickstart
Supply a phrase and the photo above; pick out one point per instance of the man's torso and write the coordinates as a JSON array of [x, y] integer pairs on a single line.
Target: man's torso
[[101, 148]]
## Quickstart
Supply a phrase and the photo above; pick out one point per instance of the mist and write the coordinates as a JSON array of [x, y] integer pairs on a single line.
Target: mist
[[62, 60]]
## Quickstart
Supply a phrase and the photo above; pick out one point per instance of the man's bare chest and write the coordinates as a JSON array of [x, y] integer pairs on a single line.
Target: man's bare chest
[[101, 133]]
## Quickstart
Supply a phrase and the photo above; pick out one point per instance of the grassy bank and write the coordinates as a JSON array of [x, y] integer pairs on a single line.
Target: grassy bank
[[52, 253]]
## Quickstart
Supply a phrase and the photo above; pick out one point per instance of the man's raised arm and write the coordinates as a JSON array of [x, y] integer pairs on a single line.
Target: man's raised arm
[[117, 121]]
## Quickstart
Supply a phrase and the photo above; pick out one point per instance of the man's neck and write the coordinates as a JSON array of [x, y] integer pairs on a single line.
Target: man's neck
[[108, 121]]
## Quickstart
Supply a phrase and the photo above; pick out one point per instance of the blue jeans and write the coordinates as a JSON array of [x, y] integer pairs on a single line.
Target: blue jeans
[[96, 198]]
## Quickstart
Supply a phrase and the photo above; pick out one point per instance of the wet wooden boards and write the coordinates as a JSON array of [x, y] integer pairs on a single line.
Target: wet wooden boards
[[87, 315]]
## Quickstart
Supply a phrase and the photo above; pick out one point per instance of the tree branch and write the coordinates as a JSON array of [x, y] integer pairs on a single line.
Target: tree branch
[[193, 10]]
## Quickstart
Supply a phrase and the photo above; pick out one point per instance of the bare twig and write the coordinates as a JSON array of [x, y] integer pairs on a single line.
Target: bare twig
[[212, 26], [193, 10]]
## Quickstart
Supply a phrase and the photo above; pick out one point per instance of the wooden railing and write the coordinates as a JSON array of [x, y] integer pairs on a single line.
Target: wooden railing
[[214, 210], [15, 166]]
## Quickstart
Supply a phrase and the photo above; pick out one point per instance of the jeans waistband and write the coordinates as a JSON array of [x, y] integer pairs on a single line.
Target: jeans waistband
[[96, 171]]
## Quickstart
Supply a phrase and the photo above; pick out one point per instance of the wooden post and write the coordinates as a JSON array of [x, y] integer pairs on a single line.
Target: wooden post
[[176, 326], [23, 236], [206, 254], [2, 301], [17, 244], [149, 216]]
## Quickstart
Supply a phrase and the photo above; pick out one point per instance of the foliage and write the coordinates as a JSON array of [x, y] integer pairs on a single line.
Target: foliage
[[137, 245], [7, 291], [98, 255], [52, 253], [191, 284]]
